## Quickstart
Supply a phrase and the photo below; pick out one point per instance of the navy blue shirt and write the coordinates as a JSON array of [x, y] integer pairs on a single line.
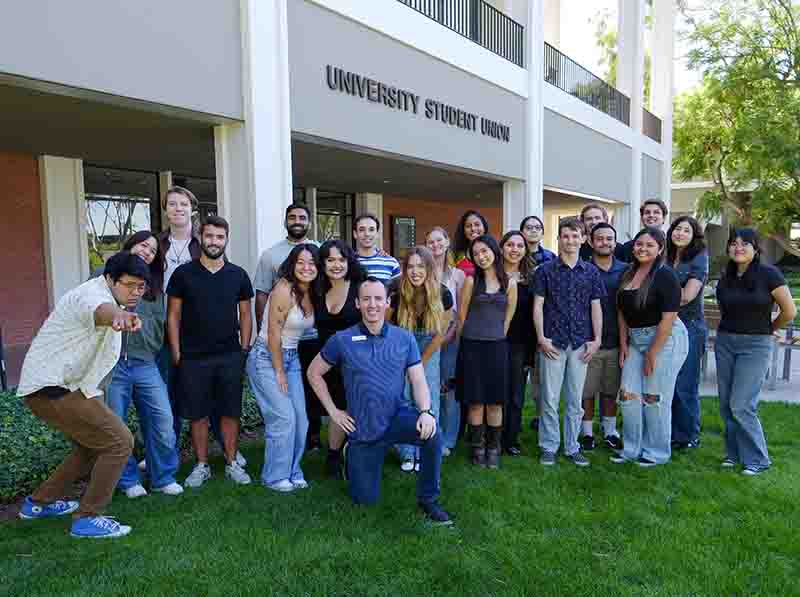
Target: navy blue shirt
[[568, 294], [624, 251], [541, 256], [374, 371], [611, 280], [694, 269]]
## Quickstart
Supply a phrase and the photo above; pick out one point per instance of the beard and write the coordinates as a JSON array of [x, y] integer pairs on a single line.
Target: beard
[[212, 252], [297, 232]]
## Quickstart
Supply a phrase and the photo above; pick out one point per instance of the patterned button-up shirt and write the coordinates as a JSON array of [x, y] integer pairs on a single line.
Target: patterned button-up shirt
[[568, 294]]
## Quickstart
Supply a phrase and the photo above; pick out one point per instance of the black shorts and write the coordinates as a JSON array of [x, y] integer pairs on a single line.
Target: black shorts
[[210, 386]]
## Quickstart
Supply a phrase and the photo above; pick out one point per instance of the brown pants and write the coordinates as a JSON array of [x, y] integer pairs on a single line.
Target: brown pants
[[102, 446]]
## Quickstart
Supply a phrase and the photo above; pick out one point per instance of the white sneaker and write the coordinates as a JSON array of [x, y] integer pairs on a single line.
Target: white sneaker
[[300, 484], [135, 491], [171, 489], [199, 475], [142, 465], [240, 459], [237, 474], [445, 451], [407, 466], [284, 486]]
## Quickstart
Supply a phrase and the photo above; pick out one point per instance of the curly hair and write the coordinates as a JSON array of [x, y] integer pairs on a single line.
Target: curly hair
[[427, 298], [286, 272], [355, 271]]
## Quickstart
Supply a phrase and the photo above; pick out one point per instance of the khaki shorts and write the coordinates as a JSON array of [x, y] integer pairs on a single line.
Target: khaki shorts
[[603, 374]]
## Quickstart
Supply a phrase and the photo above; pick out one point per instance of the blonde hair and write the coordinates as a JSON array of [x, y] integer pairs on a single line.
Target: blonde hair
[[429, 296], [449, 258]]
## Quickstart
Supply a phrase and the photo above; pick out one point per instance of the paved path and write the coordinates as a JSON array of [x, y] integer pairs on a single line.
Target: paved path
[[785, 391]]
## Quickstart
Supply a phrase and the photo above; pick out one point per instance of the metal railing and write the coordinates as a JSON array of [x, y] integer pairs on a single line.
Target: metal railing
[[651, 125], [478, 21], [563, 72]]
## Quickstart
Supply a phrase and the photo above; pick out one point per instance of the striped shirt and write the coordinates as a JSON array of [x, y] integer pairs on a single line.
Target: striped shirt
[[380, 265]]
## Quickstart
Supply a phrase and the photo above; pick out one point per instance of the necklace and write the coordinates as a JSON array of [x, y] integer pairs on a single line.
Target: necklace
[[177, 254]]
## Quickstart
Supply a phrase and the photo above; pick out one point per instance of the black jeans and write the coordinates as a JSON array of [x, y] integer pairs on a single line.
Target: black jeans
[[517, 379], [307, 350]]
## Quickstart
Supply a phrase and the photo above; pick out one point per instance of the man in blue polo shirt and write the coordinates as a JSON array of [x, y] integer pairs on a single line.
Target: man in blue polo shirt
[[375, 358]]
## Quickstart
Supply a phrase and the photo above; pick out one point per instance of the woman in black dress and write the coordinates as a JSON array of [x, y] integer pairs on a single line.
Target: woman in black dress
[[341, 275]]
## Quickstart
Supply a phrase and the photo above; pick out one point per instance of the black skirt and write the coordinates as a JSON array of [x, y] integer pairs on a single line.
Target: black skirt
[[483, 371]]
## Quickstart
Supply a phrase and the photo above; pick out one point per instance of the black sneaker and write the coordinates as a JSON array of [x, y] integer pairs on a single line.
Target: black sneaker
[[613, 442], [535, 423], [693, 444], [437, 515], [514, 451], [586, 442], [645, 462]]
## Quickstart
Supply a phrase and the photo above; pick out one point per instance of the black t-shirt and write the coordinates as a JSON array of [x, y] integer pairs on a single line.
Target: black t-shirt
[[624, 251], [447, 303], [520, 330], [746, 302], [210, 308], [664, 296], [328, 323]]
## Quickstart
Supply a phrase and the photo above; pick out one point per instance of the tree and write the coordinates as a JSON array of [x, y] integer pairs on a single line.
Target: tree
[[741, 128]]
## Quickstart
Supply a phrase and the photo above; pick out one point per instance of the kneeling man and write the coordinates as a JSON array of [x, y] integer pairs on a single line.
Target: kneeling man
[[375, 358]]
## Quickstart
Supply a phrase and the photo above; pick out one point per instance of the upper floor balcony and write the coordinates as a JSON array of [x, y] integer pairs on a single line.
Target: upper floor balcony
[[487, 26]]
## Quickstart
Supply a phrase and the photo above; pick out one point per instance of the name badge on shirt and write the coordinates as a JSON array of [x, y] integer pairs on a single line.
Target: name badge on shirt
[[359, 338]]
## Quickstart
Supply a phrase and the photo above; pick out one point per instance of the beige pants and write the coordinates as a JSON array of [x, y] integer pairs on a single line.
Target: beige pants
[[102, 446]]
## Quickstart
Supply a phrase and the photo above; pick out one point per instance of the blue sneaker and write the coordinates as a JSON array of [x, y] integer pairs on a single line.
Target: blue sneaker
[[98, 527], [58, 508]]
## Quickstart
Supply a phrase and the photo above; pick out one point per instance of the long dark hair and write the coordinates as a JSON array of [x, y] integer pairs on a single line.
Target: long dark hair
[[748, 235], [355, 271], [460, 242], [286, 272], [524, 265], [156, 285], [696, 246], [641, 294], [480, 276]]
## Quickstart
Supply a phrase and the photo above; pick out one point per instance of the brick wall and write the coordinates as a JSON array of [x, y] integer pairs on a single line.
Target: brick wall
[[431, 212], [23, 283]]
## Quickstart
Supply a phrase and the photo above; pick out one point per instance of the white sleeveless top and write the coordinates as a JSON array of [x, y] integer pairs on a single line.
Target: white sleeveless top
[[294, 328]]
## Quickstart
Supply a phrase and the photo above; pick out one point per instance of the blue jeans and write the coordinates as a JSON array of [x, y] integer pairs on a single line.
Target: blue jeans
[[647, 425], [140, 381], [568, 371], [432, 377], [169, 373], [686, 403], [449, 408], [285, 420], [742, 363], [365, 460]]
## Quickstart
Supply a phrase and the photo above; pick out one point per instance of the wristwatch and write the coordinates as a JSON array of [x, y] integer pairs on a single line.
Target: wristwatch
[[427, 412]]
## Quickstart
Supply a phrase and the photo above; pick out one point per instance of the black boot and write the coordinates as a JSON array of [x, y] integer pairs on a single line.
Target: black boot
[[493, 449], [478, 444]]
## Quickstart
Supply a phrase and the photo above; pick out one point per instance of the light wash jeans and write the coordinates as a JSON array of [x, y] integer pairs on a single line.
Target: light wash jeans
[[432, 376], [449, 408], [567, 373], [140, 381], [647, 427], [742, 363], [285, 420]]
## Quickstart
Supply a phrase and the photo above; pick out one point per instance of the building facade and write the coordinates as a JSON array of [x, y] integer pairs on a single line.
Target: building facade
[[414, 110]]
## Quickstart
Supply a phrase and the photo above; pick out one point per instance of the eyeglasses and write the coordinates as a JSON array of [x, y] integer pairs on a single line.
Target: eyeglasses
[[533, 227], [137, 287]]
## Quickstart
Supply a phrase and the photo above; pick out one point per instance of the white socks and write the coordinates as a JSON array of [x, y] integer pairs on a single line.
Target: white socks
[[609, 425], [586, 428]]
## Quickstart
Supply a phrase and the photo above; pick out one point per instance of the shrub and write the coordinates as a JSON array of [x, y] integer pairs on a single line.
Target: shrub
[[30, 450]]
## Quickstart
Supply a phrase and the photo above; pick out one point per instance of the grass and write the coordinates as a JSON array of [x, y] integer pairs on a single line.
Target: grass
[[687, 528]]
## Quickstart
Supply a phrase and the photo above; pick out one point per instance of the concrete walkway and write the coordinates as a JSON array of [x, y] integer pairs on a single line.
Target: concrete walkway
[[785, 391]]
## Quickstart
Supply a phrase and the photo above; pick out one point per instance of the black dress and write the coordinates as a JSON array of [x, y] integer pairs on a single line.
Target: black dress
[[327, 325]]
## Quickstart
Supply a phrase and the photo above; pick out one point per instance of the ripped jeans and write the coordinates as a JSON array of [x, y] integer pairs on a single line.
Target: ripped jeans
[[647, 413]]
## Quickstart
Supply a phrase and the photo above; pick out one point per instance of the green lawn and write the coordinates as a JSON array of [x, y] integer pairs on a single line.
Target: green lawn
[[687, 528]]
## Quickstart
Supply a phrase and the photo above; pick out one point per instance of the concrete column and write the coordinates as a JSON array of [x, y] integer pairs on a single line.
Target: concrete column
[[662, 84], [164, 183], [630, 80], [254, 158], [311, 201], [513, 204], [534, 110], [64, 219]]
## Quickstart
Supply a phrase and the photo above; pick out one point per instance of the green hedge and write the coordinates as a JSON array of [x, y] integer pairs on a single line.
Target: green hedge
[[30, 450]]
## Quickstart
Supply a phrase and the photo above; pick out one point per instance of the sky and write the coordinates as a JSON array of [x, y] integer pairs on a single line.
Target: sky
[[578, 39]]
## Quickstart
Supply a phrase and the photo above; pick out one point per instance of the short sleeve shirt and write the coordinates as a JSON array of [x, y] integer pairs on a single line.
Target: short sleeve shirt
[[271, 261], [210, 307], [664, 296], [70, 351], [694, 269], [374, 371], [611, 280], [380, 265], [568, 293], [746, 302]]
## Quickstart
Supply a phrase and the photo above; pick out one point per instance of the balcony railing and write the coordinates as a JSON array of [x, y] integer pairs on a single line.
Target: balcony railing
[[651, 125], [478, 21], [566, 74]]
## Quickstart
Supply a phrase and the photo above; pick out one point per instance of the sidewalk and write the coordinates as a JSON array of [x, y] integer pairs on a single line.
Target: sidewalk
[[785, 391]]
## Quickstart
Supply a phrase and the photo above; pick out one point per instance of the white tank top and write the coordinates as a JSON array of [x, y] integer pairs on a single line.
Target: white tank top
[[294, 328]]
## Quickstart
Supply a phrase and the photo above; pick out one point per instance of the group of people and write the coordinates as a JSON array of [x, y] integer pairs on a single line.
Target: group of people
[[405, 358]]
